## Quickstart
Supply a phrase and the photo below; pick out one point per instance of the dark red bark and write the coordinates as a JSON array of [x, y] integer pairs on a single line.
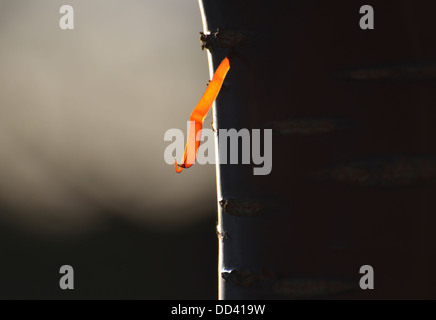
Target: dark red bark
[[354, 148]]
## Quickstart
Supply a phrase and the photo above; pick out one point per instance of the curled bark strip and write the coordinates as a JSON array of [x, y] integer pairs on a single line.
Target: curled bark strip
[[199, 114]]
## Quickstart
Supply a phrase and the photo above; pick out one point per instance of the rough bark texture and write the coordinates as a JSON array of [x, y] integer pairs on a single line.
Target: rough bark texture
[[354, 151]]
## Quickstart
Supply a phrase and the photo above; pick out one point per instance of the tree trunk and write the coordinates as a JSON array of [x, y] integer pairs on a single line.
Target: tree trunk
[[354, 167]]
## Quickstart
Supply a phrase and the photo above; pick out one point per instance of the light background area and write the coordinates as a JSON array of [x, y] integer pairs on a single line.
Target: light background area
[[83, 114]]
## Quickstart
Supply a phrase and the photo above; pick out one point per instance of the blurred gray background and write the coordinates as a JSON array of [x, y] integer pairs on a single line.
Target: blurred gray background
[[83, 179]]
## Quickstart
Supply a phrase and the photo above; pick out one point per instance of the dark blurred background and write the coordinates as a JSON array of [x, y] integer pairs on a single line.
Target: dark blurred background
[[83, 179]]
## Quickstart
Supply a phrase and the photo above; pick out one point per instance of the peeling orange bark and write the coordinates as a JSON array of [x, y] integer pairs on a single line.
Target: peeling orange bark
[[199, 114]]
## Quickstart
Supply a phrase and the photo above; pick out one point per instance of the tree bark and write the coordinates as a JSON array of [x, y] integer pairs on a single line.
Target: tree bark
[[354, 166]]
